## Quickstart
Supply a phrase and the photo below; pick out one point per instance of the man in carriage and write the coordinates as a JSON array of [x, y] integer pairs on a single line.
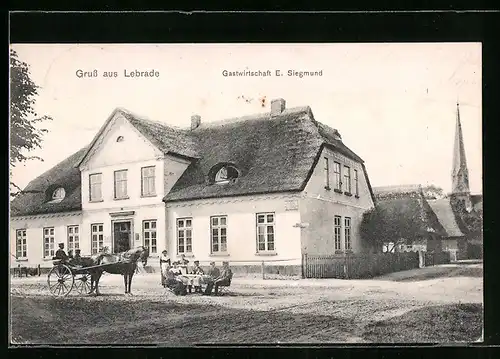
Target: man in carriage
[[61, 254], [77, 259]]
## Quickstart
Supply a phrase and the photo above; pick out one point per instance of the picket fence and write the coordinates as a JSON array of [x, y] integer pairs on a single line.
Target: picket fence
[[357, 266]]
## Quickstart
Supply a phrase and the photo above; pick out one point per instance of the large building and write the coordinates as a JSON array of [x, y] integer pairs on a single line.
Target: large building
[[272, 187]]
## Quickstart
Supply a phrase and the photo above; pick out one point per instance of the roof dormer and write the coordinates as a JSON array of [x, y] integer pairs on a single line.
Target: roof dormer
[[223, 173], [56, 195]]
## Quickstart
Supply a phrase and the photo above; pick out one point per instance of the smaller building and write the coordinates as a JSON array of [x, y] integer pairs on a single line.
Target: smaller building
[[454, 240], [454, 222], [403, 215]]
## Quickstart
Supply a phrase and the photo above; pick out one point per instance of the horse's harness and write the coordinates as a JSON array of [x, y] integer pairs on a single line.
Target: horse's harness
[[123, 259]]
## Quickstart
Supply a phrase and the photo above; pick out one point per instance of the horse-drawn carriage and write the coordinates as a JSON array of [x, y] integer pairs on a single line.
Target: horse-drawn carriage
[[84, 275], [64, 277]]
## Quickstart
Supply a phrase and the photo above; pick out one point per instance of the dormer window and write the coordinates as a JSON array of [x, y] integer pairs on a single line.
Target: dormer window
[[119, 139], [226, 174], [223, 173], [58, 195]]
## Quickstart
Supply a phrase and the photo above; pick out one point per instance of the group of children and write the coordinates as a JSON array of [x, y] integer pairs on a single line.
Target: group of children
[[213, 278]]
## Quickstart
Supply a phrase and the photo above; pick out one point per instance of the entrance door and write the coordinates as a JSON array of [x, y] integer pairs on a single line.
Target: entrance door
[[122, 235]]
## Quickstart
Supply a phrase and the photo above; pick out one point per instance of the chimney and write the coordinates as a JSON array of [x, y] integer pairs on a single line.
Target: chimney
[[277, 106], [195, 121]]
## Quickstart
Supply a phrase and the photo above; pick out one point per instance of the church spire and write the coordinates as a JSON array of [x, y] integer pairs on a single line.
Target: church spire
[[460, 173]]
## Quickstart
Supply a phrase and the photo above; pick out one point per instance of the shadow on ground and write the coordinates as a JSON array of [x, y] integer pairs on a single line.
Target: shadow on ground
[[436, 324], [433, 273], [79, 321]]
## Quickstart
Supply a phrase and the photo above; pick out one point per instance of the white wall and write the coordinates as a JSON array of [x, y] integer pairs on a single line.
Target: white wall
[[241, 228], [133, 153], [34, 226], [319, 205], [316, 186], [141, 213]]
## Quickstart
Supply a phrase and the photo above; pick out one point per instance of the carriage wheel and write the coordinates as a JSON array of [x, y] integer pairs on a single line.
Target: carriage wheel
[[83, 284], [60, 280]]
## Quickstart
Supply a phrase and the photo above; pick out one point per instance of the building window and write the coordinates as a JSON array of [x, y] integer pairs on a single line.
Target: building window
[[265, 232], [121, 184], [95, 181], [337, 232], [48, 242], [97, 235], [184, 235], [347, 179], [338, 179], [347, 233], [73, 238], [149, 235], [58, 194], [327, 174], [21, 245], [226, 174], [148, 181], [356, 183], [219, 234]]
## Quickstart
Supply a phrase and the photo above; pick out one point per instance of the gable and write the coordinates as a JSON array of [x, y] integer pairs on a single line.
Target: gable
[[119, 142], [317, 180]]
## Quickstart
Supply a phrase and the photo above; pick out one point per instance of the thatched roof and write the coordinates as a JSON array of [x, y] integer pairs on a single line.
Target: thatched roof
[[272, 154], [397, 191], [402, 212], [167, 138], [413, 212], [441, 215], [35, 198], [446, 216]]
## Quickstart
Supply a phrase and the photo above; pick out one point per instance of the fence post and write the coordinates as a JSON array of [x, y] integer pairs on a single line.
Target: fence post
[[346, 267], [262, 268], [39, 270], [304, 264]]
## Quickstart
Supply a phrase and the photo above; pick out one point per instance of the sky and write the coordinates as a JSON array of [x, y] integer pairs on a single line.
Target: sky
[[393, 104]]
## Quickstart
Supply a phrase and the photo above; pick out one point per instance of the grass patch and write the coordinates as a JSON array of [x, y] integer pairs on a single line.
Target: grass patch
[[428, 273], [436, 324]]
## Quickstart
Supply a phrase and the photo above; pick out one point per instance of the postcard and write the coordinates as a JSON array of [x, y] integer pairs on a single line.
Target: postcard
[[191, 194]]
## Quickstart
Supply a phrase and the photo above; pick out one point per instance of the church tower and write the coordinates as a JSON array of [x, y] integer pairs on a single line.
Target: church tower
[[460, 173]]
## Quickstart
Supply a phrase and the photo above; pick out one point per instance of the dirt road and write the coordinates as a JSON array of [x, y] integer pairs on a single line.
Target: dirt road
[[442, 309]]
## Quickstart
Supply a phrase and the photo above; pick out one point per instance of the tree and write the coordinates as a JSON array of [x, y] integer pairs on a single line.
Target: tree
[[25, 135], [469, 222], [397, 221]]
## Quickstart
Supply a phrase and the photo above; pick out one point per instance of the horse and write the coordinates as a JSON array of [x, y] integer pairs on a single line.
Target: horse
[[124, 263]]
